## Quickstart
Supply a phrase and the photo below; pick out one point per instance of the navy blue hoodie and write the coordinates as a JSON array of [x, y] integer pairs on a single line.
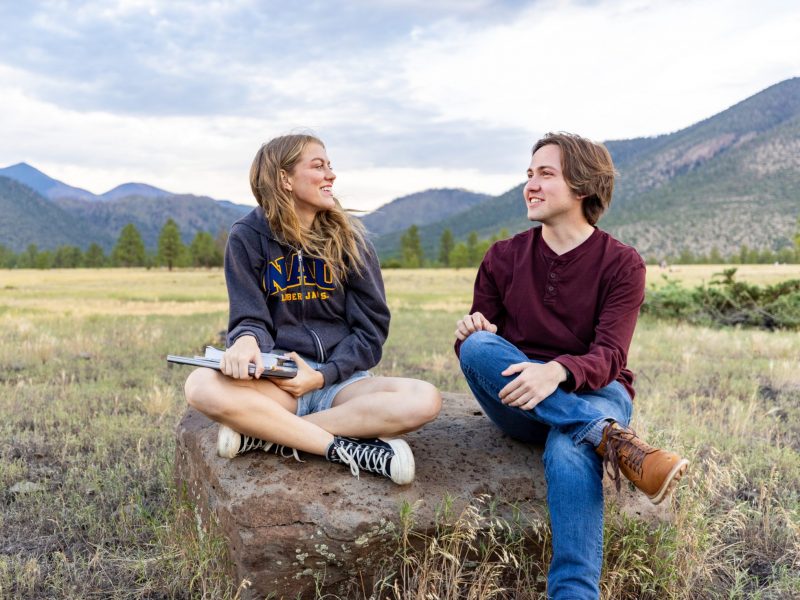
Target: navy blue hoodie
[[288, 301]]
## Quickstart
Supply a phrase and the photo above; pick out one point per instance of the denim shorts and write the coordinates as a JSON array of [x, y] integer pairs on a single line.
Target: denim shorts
[[319, 400]]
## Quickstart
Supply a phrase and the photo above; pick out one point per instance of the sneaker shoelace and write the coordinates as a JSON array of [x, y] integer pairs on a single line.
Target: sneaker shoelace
[[252, 443], [362, 456], [624, 445]]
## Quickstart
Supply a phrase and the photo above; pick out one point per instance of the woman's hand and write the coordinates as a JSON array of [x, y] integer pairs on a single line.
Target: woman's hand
[[472, 323], [535, 383], [236, 360], [306, 380]]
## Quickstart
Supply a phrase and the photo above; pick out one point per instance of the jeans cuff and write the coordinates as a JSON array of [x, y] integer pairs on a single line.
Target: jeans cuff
[[593, 432]]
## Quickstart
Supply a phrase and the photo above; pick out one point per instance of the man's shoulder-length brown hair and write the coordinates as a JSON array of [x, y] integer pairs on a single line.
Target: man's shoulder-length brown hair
[[587, 168]]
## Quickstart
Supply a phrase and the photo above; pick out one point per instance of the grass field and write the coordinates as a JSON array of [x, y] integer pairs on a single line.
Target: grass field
[[88, 407]]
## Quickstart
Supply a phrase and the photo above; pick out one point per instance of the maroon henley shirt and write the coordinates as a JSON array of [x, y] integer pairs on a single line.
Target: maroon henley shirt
[[579, 308]]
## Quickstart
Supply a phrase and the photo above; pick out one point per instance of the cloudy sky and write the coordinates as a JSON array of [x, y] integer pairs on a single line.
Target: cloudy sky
[[407, 94]]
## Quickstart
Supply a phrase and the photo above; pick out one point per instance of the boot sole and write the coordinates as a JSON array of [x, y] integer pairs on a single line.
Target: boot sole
[[402, 467], [670, 481]]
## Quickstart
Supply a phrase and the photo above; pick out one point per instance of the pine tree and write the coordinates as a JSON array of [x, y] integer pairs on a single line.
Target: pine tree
[[445, 247], [7, 257], [459, 257], [170, 246], [67, 257], [472, 249], [204, 251], [411, 248], [129, 250], [29, 257], [94, 257]]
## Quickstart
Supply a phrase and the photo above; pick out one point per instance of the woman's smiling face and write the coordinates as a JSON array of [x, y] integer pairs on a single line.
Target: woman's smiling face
[[311, 183]]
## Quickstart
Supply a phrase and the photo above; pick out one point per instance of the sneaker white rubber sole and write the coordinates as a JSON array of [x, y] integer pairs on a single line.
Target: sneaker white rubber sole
[[670, 481], [401, 469], [228, 442]]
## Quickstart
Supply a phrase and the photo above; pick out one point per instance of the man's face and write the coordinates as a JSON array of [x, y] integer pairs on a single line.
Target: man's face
[[547, 196]]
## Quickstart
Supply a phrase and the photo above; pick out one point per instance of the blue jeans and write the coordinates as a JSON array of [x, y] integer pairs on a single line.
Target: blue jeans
[[573, 470]]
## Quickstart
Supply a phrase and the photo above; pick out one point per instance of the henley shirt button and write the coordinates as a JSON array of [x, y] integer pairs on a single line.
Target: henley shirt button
[[550, 288], [552, 275]]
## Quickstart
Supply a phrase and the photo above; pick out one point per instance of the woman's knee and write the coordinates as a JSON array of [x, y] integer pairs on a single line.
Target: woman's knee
[[199, 391], [426, 403]]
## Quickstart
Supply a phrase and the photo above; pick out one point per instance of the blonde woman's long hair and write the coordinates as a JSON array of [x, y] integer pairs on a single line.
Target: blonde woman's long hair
[[334, 236]]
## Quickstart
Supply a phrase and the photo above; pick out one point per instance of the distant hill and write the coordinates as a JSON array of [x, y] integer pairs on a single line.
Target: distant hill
[[729, 180], [191, 213], [486, 218], [135, 189], [53, 189], [46, 186], [420, 208], [27, 217]]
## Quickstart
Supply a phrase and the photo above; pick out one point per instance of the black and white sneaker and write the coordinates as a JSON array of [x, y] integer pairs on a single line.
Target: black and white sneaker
[[391, 458], [230, 443]]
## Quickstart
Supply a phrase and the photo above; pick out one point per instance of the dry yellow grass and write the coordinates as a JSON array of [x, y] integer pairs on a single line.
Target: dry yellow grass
[[81, 292], [692, 275], [88, 406]]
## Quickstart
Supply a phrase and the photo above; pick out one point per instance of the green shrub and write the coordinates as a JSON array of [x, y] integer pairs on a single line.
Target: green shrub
[[726, 301]]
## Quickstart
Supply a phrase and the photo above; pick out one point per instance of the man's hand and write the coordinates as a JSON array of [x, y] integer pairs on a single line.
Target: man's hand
[[472, 323], [306, 380], [535, 383], [236, 360]]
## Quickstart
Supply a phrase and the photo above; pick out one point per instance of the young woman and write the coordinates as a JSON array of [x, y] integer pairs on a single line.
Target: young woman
[[303, 279]]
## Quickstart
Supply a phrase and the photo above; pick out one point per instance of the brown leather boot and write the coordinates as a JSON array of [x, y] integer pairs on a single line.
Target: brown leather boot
[[655, 472]]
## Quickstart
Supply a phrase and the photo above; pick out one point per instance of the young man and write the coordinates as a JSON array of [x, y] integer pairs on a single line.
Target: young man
[[544, 350]]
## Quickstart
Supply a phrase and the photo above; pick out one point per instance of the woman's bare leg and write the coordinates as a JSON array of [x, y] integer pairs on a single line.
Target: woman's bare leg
[[372, 407], [380, 407], [257, 408]]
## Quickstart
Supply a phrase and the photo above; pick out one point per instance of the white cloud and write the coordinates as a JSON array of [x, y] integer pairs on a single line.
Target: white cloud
[[608, 70], [99, 150], [409, 95]]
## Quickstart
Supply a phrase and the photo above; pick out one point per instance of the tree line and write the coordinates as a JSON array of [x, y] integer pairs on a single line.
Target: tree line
[[471, 252], [450, 254], [744, 256], [204, 250]]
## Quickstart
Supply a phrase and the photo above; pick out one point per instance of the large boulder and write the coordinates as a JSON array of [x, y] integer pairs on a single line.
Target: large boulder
[[293, 528]]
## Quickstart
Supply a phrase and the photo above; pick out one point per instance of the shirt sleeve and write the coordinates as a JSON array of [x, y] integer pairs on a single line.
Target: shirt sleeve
[[486, 297], [249, 314], [367, 315], [608, 352]]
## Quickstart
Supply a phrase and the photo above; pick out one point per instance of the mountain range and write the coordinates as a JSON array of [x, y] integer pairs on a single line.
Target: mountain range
[[730, 180], [37, 209]]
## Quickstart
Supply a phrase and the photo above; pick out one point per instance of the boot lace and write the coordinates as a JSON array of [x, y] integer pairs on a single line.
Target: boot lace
[[362, 456], [624, 445]]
